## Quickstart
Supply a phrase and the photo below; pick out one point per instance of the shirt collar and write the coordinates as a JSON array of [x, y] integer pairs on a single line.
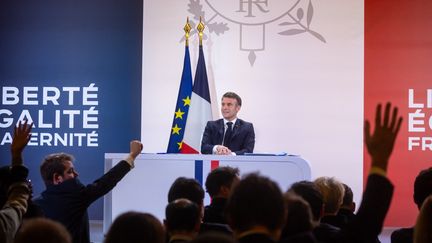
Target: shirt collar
[[233, 121]]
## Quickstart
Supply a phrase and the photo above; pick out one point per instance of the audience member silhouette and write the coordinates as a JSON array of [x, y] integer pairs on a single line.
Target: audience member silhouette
[[42, 230], [191, 189], [311, 193], [299, 220], [135, 227], [182, 220], [423, 227], [33, 210], [218, 185], [187, 188], [422, 189], [332, 191], [347, 209], [14, 188], [66, 199], [255, 210]]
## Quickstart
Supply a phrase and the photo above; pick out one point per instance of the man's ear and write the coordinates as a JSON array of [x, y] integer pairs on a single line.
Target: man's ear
[[57, 178], [352, 207]]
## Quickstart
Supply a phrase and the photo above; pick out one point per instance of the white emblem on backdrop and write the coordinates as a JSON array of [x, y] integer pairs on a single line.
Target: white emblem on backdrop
[[252, 16]]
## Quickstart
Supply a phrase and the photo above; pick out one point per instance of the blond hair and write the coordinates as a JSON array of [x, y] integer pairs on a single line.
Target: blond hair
[[332, 191]]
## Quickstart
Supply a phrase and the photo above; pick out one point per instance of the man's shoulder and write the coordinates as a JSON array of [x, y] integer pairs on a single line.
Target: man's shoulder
[[71, 185], [215, 122], [244, 123]]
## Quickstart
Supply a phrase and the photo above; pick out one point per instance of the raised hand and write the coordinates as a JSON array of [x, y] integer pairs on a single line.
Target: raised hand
[[20, 139], [135, 148], [380, 144]]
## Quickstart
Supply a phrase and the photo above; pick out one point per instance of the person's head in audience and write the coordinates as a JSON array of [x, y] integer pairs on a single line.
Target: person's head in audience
[[58, 167], [187, 188], [299, 217], [311, 194], [220, 180], [135, 227], [213, 237], [42, 230], [423, 227], [422, 186], [332, 191], [348, 199], [182, 219], [256, 204]]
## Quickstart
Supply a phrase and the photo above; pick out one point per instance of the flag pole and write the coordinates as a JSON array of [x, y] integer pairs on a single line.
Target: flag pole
[[181, 111], [187, 28], [200, 29]]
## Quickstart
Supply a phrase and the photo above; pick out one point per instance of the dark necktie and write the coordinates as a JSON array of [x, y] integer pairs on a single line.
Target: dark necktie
[[228, 135]]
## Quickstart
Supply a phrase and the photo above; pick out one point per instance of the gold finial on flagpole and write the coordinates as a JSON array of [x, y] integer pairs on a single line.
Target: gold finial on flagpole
[[200, 29], [187, 28]]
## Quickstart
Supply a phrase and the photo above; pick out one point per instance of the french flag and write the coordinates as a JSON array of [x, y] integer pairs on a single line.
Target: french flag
[[199, 111]]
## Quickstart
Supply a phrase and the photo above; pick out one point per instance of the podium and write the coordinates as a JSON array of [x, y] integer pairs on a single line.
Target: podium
[[145, 187]]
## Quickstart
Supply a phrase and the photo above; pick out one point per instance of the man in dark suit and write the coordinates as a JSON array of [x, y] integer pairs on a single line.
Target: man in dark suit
[[230, 135], [66, 199]]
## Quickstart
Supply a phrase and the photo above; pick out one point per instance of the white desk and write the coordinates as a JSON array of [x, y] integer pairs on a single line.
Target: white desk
[[145, 188]]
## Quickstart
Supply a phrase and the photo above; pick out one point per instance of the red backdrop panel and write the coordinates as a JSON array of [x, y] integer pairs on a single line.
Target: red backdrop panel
[[398, 57]]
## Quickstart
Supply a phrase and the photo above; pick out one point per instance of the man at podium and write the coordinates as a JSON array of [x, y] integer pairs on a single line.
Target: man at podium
[[230, 135]]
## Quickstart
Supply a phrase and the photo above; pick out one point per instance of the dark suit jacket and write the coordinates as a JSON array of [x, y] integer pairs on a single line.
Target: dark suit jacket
[[214, 213], [243, 138], [67, 202]]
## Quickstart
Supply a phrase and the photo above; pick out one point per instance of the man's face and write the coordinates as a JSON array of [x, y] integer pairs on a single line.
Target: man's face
[[68, 173], [229, 108]]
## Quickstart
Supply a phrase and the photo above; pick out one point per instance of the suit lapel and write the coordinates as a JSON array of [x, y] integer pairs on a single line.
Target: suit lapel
[[221, 130], [236, 129]]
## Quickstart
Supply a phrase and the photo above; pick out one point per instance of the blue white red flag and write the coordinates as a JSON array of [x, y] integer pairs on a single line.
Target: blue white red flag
[[182, 107], [199, 111]]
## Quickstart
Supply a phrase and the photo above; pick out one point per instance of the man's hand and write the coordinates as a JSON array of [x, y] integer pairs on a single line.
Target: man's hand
[[380, 144], [20, 139], [222, 150], [135, 148]]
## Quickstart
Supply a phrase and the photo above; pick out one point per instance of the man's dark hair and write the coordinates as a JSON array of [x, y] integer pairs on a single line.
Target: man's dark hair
[[54, 163], [233, 95], [348, 196], [221, 176], [135, 227], [255, 201], [42, 230], [186, 188], [299, 215], [311, 194], [422, 186], [182, 215]]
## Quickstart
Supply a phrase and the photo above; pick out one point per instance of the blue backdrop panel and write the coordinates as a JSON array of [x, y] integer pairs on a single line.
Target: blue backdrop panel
[[74, 68]]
